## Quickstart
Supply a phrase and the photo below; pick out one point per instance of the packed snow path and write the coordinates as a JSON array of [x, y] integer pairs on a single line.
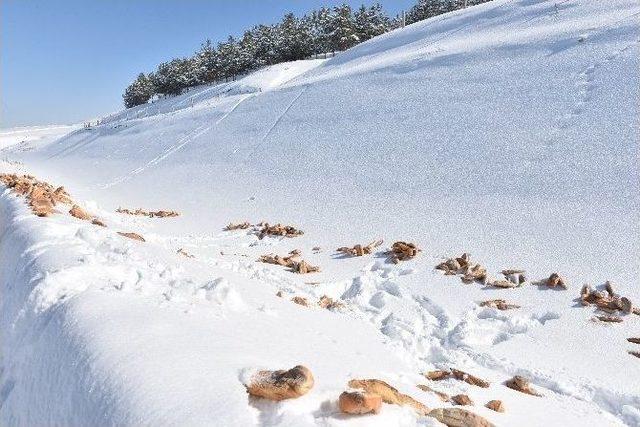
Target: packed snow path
[[508, 130]]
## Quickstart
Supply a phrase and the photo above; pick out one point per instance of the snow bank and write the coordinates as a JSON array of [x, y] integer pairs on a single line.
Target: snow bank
[[100, 330]]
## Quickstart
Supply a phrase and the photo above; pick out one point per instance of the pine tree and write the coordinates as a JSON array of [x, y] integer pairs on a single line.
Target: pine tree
[[422, 10], [395, 22], [230, 60], [343, 34], [427, 8], [450, 5], [172, 77], [139, 92], [294, 39], [190, 70], [320, 29], [247, 53], [324, 30], [371, 22], [379, 21], [361, 23], [208, 63], [264, 44]]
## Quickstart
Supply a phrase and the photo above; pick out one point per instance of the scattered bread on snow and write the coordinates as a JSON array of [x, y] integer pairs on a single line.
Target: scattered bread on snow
[[357, 403], [608, 319], [512, 279], [184, 253], [300, 301], [96, 221], [263, 229], [517, 277], [499, 304], [443, 396], [41, 202], [495, 405], [279, 230], [162, 214], [360, 250], [292, 261], [438, 375], [132, 235], [77, 212], [459, 375], [329, 303], [281, 384], [150, 214], [461, 400], [469, 379], [475, 273], [462, 266], [454, 265], [504, 284], [303, 267], [402, 251], [458, 417], [238, 226], [286, 261], [522, 385], [606, 300], [41, 196], [388, 394], [556, 281]]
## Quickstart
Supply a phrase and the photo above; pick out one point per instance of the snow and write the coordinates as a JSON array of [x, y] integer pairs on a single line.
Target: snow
[[30, 136], [508, 130], [208, 96]]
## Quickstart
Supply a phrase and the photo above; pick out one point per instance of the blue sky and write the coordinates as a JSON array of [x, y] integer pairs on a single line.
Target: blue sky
[[65, 61]]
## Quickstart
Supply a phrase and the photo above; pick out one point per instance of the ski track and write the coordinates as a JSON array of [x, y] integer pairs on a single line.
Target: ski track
[[278, 120], [75, 146], [189, 137]]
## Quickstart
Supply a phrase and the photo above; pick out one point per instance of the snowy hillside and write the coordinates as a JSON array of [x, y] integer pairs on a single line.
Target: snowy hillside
[[209, 96], [26, 138], [507, 130]]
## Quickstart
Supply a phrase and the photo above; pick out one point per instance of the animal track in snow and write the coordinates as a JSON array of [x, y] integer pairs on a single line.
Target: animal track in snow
[[585, 86], [482, 327], [187, 138]]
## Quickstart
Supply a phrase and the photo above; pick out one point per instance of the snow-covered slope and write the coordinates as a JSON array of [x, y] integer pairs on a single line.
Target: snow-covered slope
[[508, 130], [210, 96], [29, 137]]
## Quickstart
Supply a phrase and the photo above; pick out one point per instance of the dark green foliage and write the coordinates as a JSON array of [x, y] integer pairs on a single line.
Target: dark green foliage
[[323, 30], [138, 92]]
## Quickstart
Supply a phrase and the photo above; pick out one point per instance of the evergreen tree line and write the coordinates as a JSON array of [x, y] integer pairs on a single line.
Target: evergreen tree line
[[321, 31]]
